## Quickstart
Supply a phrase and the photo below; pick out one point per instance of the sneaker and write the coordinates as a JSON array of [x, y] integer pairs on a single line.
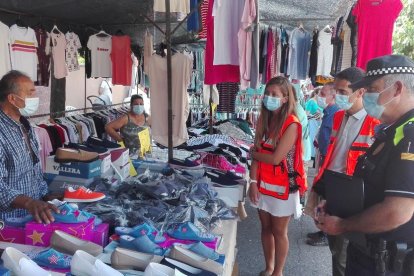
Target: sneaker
[[20, 264], [65, 155], [314, 235], [185, 268], [82, 195], [18, 221], [318, 241], [90, 148]]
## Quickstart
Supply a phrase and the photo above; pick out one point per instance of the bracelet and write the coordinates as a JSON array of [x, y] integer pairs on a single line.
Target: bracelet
[[253, 181]]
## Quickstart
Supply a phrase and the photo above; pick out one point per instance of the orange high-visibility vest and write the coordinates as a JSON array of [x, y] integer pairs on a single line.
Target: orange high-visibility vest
[[273, 180], [359, 146]]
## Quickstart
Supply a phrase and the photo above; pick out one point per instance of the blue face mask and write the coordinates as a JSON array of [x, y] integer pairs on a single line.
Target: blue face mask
[[322, 102], [371, 105], [342, 101], [138, 109], [272, 103]]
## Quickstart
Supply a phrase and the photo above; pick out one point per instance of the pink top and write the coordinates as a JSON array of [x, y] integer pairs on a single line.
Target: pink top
[[270, 72], [45, 145], [216, 73], [245, 42], [375, 19]]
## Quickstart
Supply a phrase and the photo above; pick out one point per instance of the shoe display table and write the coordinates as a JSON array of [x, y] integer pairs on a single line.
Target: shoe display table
[[228, 231]]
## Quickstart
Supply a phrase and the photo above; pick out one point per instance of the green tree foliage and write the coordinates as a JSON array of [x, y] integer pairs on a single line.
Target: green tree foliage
[[403, 40]]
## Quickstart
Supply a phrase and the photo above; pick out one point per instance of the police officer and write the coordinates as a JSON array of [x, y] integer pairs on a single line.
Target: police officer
[[388, 173]]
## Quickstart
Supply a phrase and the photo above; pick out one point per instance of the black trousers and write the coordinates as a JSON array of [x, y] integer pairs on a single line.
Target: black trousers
[[359, 264]]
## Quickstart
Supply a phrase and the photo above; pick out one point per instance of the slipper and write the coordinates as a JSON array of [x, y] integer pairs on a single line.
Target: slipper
[[188, 231], [140, 230], [141, 244]]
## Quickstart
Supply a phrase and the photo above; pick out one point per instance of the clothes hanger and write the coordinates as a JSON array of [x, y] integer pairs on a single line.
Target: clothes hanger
[[55, 30], [327, 29], [119, 32], [102, 33]]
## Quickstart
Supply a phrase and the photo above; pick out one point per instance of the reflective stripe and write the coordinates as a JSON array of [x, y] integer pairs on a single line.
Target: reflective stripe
[[399, 192], [273, 187], [363, 139]]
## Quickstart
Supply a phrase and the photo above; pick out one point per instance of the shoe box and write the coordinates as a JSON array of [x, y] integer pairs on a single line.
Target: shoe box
[[58, 183], [39, 234], [74, 169], [12, 234], [100, 234], [106, 162], [119, 157]]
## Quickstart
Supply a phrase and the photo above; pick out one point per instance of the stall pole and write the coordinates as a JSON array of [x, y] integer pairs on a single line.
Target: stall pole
[[84, 103], [169, 79], [210, 102]]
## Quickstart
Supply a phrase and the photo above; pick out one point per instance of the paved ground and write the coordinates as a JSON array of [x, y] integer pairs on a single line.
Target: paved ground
[[303, 260]]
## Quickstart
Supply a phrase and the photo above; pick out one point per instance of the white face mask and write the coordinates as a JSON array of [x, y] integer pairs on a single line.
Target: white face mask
[[30, 106]]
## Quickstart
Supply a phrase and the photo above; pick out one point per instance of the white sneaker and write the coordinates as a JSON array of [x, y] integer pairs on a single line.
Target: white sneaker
[[84, 264], [154, 269], [20, 264]]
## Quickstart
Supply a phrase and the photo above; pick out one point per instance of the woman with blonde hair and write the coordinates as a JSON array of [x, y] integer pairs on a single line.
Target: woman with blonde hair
[[277, 175]]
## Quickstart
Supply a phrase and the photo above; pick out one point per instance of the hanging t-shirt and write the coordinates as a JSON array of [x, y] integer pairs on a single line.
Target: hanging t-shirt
[[121, 60], [375, 20], [181, 75], [73, 45], [175, 6], [23, 46], [227, 23], [100, 51], [43, 66], [216, 73], [5, 65], [58, 48], [325, 53], [193, 21], [245, 42], [300, 42]]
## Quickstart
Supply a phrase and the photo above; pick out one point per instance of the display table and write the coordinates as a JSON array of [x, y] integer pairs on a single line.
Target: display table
[[228, 231]]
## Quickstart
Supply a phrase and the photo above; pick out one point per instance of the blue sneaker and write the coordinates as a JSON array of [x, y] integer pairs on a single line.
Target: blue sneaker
[[18, 222], [69, 215], [188, 231], [140, 230], [141, 244], [51, 258], [96, 220]]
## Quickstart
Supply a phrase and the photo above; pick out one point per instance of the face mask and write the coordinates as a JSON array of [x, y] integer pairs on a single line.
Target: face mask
[[342, 101], [30, 106], [271, 103], [322, 102], [371, 105], [138, 109]]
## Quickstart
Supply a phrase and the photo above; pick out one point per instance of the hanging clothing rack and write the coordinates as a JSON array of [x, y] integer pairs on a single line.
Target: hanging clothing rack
[[72, 110]]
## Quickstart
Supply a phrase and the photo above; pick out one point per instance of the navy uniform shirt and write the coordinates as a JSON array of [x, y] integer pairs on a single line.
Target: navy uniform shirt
[[388, 170]]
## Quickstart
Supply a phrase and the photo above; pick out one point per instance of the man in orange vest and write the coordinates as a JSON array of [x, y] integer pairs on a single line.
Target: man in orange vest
[[351, 136]]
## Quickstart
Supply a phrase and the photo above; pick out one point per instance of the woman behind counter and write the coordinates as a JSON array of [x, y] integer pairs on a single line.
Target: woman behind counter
[[130, 124]]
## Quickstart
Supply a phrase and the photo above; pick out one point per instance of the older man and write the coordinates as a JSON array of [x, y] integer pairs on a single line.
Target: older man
[[22, 188], [388, 172]]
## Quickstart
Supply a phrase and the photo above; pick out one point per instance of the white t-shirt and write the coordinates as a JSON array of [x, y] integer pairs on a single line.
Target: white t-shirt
[[5, 65], [57, 43], [227, 23], [175, 6], [181, 75], [23, 44], [101, 60], [325, 54], [73, 44]]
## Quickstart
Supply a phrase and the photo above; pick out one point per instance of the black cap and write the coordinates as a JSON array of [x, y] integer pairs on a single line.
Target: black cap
[[385, 65]]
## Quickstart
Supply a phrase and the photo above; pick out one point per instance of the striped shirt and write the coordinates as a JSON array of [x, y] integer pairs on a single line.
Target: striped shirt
[[20, 166]]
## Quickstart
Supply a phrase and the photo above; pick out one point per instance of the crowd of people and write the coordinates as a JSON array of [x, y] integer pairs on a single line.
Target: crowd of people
[[362, 198]]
